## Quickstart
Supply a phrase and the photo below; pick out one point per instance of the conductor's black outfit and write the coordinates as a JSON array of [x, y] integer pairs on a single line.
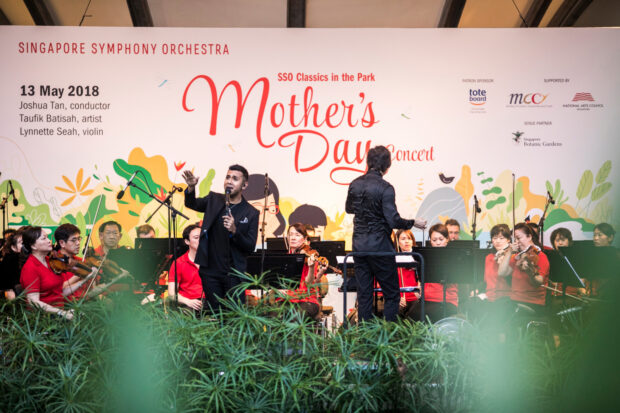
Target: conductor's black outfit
[[372, 200]]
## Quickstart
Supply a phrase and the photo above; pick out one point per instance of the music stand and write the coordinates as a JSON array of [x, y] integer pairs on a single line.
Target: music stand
[[141, 264], [449, 266], [464, 243], [276, 244], [592, 262], [329, 249], [280, 269], [161, 244]]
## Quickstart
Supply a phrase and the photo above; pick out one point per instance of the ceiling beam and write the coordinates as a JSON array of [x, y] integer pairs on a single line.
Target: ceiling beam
[[535, 13], [40, 13], [568, 13], [451, 13], [140, 13], [4, 21], [296, 13]]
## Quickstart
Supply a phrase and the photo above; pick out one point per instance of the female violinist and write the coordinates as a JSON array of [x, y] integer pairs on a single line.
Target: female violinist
[[306, 295], [529, 269], [434, 306], [498, 288], [44, 288]]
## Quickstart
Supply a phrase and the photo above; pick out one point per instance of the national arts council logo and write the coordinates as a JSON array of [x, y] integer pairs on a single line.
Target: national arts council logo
[[583, 101]]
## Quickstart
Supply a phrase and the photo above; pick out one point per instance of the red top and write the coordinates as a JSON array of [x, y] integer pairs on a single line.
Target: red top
[[434, 292], [522, 289], [188, 279], [497, 286], [406, 278], [301, 295], [37, 278]]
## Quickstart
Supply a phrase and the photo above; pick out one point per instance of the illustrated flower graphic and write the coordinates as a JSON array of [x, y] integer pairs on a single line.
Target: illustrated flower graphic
[[77, 189], [179, 165], [161, 195]]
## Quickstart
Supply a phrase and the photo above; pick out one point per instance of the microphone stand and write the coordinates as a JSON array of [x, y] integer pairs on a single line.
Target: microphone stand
[[541, 222], [475, 212], [262, 227], [173, 212], [4, 205]]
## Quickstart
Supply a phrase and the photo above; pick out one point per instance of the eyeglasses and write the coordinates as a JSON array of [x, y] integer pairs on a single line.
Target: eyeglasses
[[116, 234], [75, 239], [271, 208]]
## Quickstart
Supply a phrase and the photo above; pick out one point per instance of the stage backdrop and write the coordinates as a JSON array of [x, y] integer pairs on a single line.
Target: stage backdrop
[[82, 109]]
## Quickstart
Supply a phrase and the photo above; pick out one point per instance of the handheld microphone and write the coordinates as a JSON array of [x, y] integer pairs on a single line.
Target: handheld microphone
[[476, 205], [550, 197], [121, 193], [12, 192], [227, 193]]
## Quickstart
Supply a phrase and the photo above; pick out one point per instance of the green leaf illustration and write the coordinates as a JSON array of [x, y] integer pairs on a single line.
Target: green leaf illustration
[[600, 191], [603, 173], [143, 179], [585, 184], [92, 208], [548, 186], [205, 185]]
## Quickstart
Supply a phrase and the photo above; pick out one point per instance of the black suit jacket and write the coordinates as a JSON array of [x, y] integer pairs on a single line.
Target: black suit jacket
[[243, 241], [372, 200]]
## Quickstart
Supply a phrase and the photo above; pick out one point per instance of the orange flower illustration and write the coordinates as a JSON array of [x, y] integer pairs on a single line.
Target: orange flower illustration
[[77, 189], [179, 165]]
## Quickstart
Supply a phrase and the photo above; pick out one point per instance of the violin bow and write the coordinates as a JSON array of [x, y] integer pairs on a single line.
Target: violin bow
[[513, 207]]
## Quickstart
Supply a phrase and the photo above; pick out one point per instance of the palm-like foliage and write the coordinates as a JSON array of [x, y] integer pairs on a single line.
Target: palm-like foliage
[[118, 356]]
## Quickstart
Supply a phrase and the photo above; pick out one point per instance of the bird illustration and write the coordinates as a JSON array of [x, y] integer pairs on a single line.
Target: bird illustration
[[445, 179]]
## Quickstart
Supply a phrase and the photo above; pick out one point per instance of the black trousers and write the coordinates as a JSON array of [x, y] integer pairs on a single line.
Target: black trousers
[[384, 270], [219, 286]]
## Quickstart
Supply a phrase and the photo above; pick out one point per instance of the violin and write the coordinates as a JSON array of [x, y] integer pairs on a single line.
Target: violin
[[322, 261], [500, 253], [527, 260], [60, 263]]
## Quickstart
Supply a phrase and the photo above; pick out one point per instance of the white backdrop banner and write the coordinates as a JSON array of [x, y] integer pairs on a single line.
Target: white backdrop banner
[[461, 111]]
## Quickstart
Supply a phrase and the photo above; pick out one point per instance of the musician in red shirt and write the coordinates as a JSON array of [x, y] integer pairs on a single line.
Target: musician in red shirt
[[434, 292], [529, 269], [498, 288], [187, 276], [44, 288]]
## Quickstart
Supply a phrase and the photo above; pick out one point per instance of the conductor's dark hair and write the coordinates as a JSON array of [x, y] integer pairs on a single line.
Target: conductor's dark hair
[[379, 159], [237, 167]]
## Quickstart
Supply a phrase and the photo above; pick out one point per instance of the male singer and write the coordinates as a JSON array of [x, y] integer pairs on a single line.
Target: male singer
[[372, 200], [228, 234]]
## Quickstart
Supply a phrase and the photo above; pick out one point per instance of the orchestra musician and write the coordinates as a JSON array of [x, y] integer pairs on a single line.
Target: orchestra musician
[[110, 233], [9, 265], [454, 229], [305, 296], [529, 269], [228, 234], [498, 288], [603, 236], [372, 200], [43, 287], [145, 231], [187, 275], [407, 277], [68, 240], [435, 308]]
